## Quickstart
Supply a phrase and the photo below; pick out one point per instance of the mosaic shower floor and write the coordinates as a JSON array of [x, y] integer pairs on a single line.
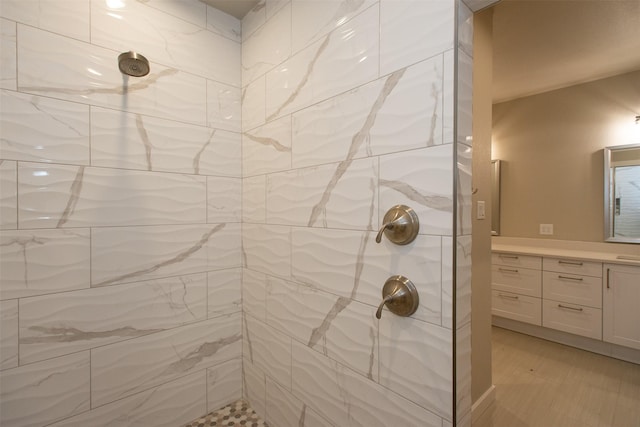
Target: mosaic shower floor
[[236, 414]]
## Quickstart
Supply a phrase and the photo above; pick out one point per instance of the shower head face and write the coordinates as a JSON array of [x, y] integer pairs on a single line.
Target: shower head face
[[133, 64]]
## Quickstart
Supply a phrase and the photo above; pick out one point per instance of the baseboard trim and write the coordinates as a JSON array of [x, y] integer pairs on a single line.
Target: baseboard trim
[[483, 403]]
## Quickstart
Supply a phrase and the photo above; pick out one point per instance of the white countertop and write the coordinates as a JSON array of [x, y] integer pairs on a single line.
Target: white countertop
[[568, 253]]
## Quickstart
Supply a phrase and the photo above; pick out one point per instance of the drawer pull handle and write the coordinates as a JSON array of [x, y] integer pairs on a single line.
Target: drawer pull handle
[[570, 308], [508, 296], [570, 262], [508, 270], [577, 279], [508, 256]]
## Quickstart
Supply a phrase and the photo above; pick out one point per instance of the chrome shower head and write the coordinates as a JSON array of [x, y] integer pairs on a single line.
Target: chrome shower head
[[133, 64]]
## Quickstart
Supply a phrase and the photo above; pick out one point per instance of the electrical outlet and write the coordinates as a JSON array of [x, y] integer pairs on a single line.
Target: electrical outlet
[[480, 212], [546, 229]]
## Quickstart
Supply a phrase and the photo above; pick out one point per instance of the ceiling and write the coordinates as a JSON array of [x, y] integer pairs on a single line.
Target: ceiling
[[541, 45], [237, 8]]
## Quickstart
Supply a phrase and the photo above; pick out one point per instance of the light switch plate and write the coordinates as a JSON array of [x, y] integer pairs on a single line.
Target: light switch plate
[[480, 212]]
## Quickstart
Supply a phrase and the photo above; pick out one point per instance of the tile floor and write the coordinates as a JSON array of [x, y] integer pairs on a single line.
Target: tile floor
[[236, 414]]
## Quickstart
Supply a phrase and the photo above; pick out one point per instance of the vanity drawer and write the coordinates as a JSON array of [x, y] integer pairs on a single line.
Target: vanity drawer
[[572, 318], [516, 260], [516, 307], [572, 266], [571, 288], [517, 280]]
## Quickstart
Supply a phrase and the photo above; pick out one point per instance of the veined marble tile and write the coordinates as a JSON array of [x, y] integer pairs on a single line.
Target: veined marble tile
[[267, 248], [449, 103], [254, 199], [447, 282], [338, 327], [430, 24], [37, 262], [422, 180], [345, 58], [273, 6], [352, 265], [463, 280], [223, 106], [122, 369], [465, 28], [8, 334], [55, 196], [342, 195], [224, 385], [163, 38], [267, 349], [69, 18], [267, 47], [62, 133], [284, 409], [254, 387], [416, 362], [268, 148], [476, 5], [314, 19], [396, 113], [169, 405], [254, 19], [131, 254], [463, 370], [224, 293], [8, 195], [464, 193], [190, 11], [254, 104], [350, 399], [8, 51], [59, 67], [224, 199], [224, 25], [254, 294], [42, 393], [465, 98], [133, 141], [54, 325]]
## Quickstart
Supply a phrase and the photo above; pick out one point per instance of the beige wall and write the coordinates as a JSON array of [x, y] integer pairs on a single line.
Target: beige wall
[[551, 147], [481, 252]]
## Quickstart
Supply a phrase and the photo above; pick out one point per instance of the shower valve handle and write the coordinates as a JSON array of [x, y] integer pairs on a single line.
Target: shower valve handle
[[400, 225]]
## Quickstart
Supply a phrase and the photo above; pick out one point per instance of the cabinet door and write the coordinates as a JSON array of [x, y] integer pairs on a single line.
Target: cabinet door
[[621, 305]]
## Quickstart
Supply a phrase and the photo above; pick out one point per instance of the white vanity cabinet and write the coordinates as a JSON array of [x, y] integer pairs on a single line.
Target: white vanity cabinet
[[516, 287], [621, 305]]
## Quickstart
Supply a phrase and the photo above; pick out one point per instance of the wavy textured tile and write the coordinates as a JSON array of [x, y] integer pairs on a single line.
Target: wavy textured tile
[[224, 384], [41, 393], [8, 195], [463, 280], [254, 19], [133, 141], [464, 191], [463, 371], [55, 196], [464, 102], [224, 199], [194, 12], [122, 369], [447, 282], [179, 43], [224, 106], [284, 409], [267, 248], [59, 67], [38, 262], [131, 254], [254, 387], [448, 113], [349, 399], [267, 148], [416, 362], [254, 294], [254, 199], [68, 322], [345, 58], [223, 24], [465, 28], [8, 334], [69, 18], [224, 292], [8, 53], [253, 104], [168, 405]]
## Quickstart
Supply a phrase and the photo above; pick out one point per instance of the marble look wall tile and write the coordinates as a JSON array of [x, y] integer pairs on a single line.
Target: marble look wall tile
[[423, 181], [8, 195], [267, 349], [223, 106], [37, 262], [54, 325], [62, 133], [463, 370], [133, 141], [477, 5], [59, 67], [254, 19], [267, 249], [55, 196], [273, 6], [268, 148], [130, 254], [447, 282], [268, 46], [254, 199], [7, 54], [254, 104], [223, 24], [448, 113], [190, 11], [430, 24], [69, 18], [464, 103], [464, 190], [350, 399], [354, 266], [284, 409], [342, 60], [42, 393], [175, 42], [224, 199], [254, 294], [8, 334], [254, 387], [224, 384], [332, 196], [313, 19], [463, 280], [338, 327], [122, 369], [399, 112], [465, 28], [168, 405], [224, 292]]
